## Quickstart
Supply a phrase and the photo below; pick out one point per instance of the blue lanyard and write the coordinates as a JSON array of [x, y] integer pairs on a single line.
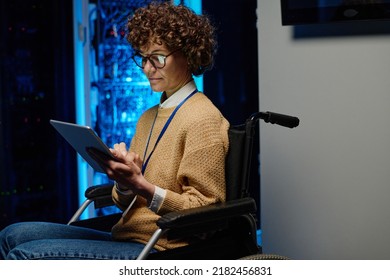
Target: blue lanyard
[[163, 130]]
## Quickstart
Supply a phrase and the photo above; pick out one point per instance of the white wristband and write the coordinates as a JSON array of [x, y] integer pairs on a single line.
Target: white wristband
[[158, 198]]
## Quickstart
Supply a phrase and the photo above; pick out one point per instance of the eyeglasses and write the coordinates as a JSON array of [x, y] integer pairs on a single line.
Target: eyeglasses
[[157, 60]]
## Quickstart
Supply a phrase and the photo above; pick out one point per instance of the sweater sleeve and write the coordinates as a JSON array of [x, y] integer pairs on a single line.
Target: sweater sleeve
[[122, 201]]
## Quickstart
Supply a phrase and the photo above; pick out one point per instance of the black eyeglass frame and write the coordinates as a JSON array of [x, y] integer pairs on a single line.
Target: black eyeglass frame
[[147, 58]]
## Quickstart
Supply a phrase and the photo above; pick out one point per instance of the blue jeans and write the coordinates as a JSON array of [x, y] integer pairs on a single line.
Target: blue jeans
[[43, 241]]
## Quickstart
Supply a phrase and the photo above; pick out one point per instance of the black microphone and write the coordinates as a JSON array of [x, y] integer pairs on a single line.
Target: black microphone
[[283, 120]]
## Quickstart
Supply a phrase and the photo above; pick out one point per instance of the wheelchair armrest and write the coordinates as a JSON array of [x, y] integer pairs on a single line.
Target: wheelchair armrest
[[205, 220], [99, 191], [207, 214], [100, 195]]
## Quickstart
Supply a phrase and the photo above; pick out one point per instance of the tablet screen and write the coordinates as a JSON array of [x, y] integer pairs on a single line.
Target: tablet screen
[[82, 138]]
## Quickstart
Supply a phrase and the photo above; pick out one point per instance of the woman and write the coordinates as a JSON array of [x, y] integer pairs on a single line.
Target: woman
[[177, 155]]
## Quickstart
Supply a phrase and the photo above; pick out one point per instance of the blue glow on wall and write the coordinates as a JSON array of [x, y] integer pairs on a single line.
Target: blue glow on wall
[[113, 93], [196, 6], [80, 86]]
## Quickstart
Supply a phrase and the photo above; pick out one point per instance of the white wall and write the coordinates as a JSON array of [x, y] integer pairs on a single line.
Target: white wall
[[325, 184]]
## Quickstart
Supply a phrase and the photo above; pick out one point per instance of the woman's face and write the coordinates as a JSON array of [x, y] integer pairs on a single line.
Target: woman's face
[[174, 75]]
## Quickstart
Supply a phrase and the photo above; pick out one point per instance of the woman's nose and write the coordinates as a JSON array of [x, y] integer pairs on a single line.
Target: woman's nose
[[149, 66]]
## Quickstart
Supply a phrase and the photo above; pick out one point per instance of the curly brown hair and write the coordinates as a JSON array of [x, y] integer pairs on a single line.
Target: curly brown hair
[[177, 27]]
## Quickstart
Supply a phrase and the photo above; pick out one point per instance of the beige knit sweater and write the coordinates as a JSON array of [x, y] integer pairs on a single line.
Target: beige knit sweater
[[188, 162]]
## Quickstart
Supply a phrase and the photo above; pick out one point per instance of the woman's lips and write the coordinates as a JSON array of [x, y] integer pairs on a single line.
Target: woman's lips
[[154, 80]]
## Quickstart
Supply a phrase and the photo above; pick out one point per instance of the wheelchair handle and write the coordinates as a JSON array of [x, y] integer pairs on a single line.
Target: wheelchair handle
[[279, 119]]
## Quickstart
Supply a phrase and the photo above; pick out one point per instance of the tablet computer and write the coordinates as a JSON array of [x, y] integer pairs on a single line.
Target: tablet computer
[[81, 138]]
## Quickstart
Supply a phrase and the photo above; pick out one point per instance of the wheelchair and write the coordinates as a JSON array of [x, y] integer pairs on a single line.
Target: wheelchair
[[229, 228]]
